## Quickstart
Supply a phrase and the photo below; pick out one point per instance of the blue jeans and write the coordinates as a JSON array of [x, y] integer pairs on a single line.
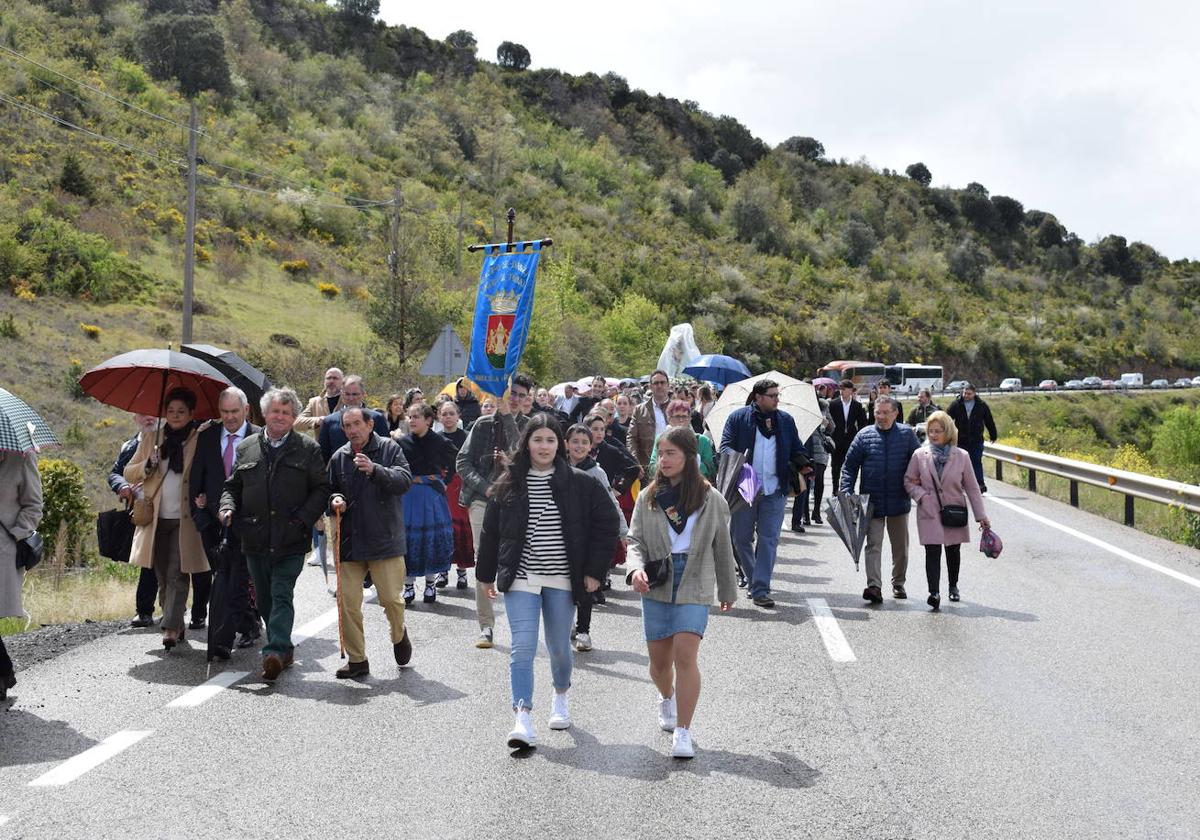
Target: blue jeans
[[557, 608], [976, 453], [757, 559]]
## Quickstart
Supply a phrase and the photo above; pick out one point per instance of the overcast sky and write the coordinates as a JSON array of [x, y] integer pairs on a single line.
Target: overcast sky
[[1088, 110]]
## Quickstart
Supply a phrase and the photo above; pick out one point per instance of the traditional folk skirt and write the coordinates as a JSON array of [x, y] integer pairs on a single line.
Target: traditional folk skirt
[[464, 542], [429, 535]]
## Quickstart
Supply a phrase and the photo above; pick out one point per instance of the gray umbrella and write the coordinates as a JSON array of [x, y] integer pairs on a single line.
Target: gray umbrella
[[847, 514], [21, 429], [729, 473]]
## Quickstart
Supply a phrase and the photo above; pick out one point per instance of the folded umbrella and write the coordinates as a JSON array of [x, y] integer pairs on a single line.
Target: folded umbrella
[[21, 429], [139, 380], [846, 513], [729, 475]]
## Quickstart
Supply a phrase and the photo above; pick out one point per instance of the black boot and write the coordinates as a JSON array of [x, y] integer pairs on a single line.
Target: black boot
[[353, 670], [403, 649]]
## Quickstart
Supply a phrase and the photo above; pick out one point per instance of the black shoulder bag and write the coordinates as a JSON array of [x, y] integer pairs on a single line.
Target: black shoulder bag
[[29, 550], [952, 516]]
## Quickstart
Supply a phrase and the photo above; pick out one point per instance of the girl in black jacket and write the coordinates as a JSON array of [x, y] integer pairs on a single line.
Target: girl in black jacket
[[548, 534]]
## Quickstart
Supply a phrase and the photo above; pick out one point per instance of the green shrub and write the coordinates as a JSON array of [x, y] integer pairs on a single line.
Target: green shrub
[[74, 372], [64, 501], [59, 259], [8, 328], [1177, 444]]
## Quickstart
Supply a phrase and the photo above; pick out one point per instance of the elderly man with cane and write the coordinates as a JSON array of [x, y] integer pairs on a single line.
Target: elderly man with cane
[[276, 492], [368, 476]]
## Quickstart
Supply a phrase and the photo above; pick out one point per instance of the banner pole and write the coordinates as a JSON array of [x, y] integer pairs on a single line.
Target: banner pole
[[512, 218]]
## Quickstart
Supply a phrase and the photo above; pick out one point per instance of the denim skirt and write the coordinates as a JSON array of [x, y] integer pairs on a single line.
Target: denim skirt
[[661, 620]]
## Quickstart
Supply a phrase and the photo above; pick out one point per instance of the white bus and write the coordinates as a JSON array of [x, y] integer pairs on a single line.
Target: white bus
[[910, 378]]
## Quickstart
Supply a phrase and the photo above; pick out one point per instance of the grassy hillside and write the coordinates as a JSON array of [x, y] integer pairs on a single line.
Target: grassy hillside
[[661, 213]]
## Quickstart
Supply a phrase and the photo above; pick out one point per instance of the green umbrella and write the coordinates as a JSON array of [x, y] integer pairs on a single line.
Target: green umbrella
[[21, 429]]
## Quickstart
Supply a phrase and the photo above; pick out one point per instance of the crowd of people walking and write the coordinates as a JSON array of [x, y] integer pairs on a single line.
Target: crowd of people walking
[[542, 496]]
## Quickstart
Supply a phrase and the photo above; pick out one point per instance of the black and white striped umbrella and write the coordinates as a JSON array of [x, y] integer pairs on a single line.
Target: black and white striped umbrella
[[21, 429]]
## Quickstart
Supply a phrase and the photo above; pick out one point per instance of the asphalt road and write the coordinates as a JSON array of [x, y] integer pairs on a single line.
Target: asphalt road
[[1058, 699]]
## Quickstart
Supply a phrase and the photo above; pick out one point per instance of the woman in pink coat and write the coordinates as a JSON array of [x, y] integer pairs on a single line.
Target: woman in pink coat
[[940, 467]]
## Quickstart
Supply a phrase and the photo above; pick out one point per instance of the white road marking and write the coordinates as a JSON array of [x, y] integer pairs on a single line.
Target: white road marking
[[207, 690], [73, 768], [831, 633], [1099, 543], [4, 819], [312, 628]]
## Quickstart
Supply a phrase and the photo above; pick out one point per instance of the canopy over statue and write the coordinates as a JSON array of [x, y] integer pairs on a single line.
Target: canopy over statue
[[679, 351]]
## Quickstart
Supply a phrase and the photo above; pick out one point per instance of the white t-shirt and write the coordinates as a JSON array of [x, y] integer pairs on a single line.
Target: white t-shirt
[[681, 543]]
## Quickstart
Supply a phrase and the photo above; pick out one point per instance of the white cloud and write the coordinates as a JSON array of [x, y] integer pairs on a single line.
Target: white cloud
[[1089, 110]]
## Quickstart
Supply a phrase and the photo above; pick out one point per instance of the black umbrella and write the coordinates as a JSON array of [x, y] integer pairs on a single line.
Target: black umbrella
[[847, 514], [236, 369]]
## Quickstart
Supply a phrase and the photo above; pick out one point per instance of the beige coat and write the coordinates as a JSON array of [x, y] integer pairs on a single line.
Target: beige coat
[[710, 562], [20, 511], [192, 558], [309, 418]]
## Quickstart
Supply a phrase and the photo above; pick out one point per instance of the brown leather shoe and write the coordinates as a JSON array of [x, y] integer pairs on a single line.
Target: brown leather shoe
[[353, 670], [272, 666], [289, 659]]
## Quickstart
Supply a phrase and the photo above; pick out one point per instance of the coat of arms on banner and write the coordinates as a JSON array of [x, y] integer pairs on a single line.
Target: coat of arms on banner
[[500, 327]]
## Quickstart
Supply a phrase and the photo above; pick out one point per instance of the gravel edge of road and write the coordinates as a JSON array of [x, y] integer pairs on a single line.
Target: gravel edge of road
[[35, 646]]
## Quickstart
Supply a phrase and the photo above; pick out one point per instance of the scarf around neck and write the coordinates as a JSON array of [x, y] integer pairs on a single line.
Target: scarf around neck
[[667, 500], [767, 423], [941, 456], [172, 446]]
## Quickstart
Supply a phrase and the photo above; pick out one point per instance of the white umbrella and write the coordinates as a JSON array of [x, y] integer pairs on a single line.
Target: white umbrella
[[799, 399]]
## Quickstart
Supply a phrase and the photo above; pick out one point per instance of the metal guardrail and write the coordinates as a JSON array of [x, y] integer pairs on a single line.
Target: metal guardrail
[[1131, 485]]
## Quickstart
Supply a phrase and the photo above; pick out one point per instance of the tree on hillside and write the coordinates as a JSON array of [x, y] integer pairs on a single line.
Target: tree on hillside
[[180, 7], [188, 48], [462, 40], [358, 11], [512, 56], [858, 241], [976, 207], [74, 180], [1010, 214], [920, 173], [1115, 259], [808, 148]]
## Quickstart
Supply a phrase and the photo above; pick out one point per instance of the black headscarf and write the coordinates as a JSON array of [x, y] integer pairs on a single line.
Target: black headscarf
[[172, 446]]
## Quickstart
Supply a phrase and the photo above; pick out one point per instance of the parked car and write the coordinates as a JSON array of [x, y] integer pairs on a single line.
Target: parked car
[[1182, 382], [1091, 382], [1047, 385], [956, 386], [1196, 381], [1073, 385], [1160, 383], [1131, 380], [1108, 385], [1011, 384]]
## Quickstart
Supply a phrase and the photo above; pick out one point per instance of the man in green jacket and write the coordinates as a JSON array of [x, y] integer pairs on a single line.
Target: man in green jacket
[[278, 489]]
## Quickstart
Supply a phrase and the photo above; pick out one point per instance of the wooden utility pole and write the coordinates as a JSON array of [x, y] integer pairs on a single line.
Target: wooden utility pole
[[189, 252], [397, 270]]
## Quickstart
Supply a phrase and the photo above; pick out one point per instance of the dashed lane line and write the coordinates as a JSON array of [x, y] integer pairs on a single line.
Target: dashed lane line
[[1099, 543], [831, 634], [207, 690], [90, 759]]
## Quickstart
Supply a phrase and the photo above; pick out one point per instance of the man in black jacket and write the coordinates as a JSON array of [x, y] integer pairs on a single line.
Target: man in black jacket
[[278, 489], [331, 435], [972, 415], [147, 587], [216, 454], [848, 418], [368, 476]]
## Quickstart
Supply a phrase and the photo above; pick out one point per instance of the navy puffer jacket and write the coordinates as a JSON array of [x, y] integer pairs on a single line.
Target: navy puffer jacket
[[883, 458]]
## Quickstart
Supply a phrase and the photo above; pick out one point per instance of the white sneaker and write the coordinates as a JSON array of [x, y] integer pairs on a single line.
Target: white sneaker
[[522, 735], [666, 713], [314, 559], [560, 715], [681, 744], [583, 642]]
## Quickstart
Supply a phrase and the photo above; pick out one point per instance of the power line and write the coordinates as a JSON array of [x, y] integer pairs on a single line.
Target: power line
[[219, 182], [97, 135], [271, 174]]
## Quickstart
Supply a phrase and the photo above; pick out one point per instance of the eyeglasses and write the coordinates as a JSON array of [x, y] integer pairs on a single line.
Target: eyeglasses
[[660, 382], [774, 396]]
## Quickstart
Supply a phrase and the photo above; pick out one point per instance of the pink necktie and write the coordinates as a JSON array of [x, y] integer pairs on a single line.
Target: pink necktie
[[230, 444]]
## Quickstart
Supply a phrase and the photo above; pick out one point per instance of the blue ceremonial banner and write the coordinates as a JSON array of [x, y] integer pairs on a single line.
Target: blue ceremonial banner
[[503, 310]]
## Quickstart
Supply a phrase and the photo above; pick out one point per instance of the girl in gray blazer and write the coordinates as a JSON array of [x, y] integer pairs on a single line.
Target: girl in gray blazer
[[680, 535]]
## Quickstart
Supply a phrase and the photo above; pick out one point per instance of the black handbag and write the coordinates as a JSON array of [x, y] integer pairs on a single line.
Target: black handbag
[[29, 550], [656, 571], [952, 516], [114, 534]]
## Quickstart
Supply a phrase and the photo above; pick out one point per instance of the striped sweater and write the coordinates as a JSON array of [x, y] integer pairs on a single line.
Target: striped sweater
[[544, 554]]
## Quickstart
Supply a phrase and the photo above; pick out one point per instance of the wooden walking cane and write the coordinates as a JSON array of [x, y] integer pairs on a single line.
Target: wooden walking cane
[[337, 573]]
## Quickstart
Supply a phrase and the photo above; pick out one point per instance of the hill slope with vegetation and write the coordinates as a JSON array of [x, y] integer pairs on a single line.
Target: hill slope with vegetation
[[312, 119]]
